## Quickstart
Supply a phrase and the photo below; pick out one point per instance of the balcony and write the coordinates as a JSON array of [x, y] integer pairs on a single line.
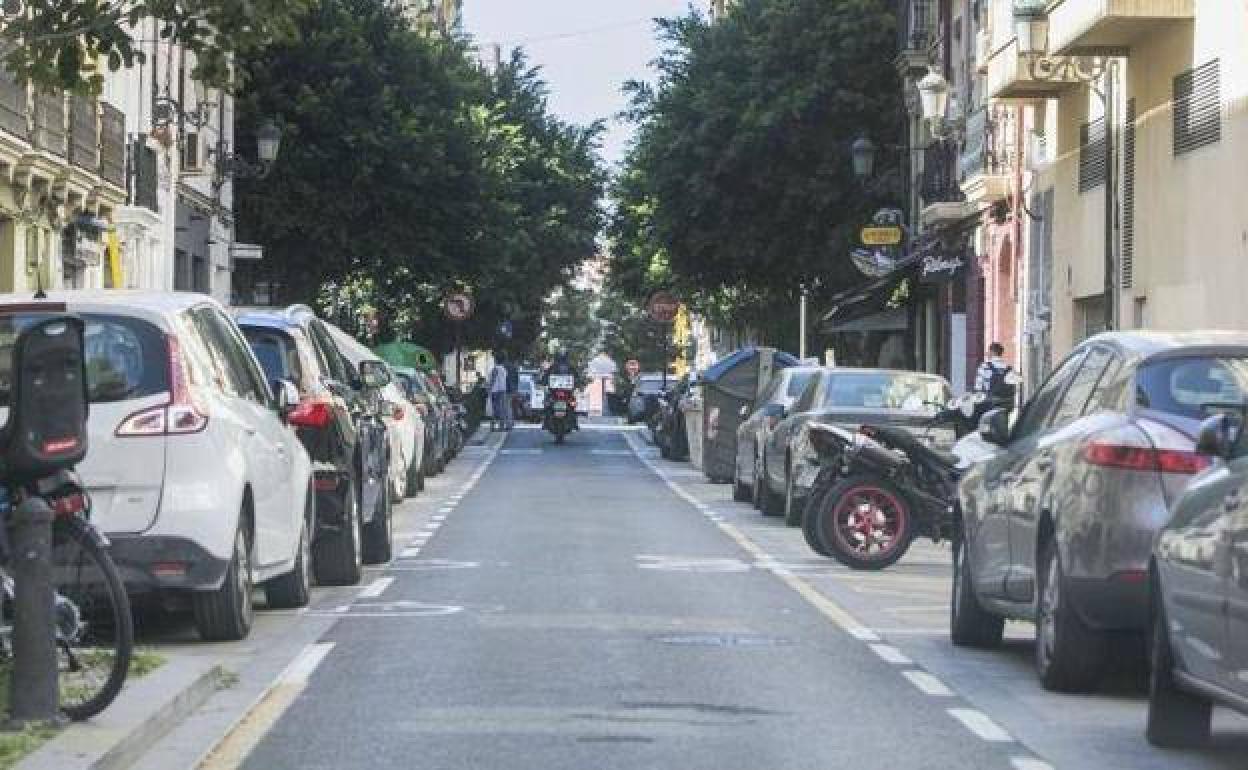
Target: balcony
[[916, 24], [1012, 75], [50, 134], [113, 145], [84, 134], [943, 201], [985, 163], [1096, 27]]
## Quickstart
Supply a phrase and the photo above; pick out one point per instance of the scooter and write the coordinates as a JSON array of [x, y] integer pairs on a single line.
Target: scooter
[[560, 417], [882, 486]]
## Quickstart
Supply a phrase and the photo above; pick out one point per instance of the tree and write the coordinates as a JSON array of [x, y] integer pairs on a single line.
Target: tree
[[739, 187], [63, 44], [570, 324], [408, 172]]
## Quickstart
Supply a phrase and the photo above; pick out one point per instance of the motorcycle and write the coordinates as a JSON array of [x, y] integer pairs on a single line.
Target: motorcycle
[[560, 417], [883, 486]]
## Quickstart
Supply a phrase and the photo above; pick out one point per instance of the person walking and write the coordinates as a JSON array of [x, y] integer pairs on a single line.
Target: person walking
[[513, 389], [499, 408], [995, 377]]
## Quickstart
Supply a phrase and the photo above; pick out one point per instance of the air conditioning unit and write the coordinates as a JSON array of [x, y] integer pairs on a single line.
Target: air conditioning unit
[[192, 153]]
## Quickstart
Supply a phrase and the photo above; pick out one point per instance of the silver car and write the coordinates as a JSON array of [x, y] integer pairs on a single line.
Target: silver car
[[1058, 523], [1200, 588]]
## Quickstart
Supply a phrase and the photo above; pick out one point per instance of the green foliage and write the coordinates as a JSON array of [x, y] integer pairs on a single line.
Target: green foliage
[[65, 44], [570, 323], [629, 333], [739, 186], [408, 172]]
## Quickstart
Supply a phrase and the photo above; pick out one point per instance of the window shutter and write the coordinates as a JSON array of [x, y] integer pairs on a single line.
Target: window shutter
[[1197, 108], [1092, 155], [1127, 266]]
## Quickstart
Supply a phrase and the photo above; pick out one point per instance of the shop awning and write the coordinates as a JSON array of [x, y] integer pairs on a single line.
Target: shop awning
[[868, 299], [890, 320]]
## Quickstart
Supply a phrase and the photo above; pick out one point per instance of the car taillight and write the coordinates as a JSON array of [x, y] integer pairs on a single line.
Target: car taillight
[[311, 413], [181, 415], [1134, 458]]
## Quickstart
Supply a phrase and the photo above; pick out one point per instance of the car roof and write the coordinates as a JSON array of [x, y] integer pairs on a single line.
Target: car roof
[[833, 371], [271, 320], [1148, 344], [150, 305]]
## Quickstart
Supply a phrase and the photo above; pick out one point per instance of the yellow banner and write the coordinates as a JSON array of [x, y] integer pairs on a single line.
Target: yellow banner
[[113, 250], [881, 236]]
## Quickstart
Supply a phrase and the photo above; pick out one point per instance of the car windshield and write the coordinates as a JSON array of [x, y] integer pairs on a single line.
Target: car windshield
[[885, 390], [797, 384], [126, 357], [276, 352], [1193, 386]]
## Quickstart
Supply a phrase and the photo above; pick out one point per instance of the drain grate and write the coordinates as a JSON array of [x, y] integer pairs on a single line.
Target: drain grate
[[722, 640]]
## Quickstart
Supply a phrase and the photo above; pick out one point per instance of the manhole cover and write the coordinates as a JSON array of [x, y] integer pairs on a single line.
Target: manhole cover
[[722, 640]]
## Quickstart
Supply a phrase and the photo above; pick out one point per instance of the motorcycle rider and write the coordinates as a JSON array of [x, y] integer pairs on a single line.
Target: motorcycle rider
[[561, 365]]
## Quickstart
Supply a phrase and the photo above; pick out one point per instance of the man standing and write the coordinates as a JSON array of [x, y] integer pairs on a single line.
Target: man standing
[[995, 378], [513, 388], [499, 408]]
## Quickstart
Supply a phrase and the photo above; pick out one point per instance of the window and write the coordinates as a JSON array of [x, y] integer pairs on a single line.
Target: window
[[1192, 386], [807, 399], [797, 383], [1093, 155], [911, 392], [1197, 108], [276, 352], [1037, 411], [1077, 396], [247, 372], [330, 360]]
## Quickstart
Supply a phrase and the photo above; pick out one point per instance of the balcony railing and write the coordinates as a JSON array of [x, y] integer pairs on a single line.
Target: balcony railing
[[113, 145], [939, 183], [84, 134], [915, 24], [14, 106], [988, 145], [50, 133]]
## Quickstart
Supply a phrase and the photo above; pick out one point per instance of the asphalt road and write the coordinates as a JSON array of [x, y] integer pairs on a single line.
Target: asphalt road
[[569, 607]]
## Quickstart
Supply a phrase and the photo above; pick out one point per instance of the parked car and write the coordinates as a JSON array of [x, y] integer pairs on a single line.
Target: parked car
[[346, 440], [645, 397], [529, 401], [668, 421], [437, 427], [1199, 577], [403, 426], [788, 464], [785, 388], [1057, 526], [451, 411], [200, 485]]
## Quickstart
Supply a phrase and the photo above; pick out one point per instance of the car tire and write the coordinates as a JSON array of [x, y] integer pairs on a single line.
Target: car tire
[[1070, 655], [970, 625], [741, 492], [294, 589], [793, 505], [336, 556], [226, 614], [810, 520], [415, 479], [1177, 719], [378, 539]]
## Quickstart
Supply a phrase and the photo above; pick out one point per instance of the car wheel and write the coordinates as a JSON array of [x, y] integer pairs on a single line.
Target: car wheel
[[1176, 718], [793, 505], [1069, 654], [415, 479], [294, 589], [336, 556], [810, 519], [741, 492], [970, 625], [769, 503], [378, 539], [226, 614], [756, 493]]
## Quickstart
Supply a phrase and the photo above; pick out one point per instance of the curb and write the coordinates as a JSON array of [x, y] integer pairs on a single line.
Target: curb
[[146, 711]]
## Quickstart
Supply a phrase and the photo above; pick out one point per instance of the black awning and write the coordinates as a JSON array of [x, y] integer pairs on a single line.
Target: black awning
[[868, 298]]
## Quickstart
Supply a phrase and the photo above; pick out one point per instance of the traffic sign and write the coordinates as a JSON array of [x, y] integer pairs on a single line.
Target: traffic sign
[[663, 307], [458, 307], [881, 236]]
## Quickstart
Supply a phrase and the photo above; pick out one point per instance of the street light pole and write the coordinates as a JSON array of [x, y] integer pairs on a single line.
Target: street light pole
[[801, 335]]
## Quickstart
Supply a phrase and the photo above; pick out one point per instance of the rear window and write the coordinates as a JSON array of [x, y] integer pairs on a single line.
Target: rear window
[[126, 358], [1193, 387], [797, 383], [911, 392], [276, 352]]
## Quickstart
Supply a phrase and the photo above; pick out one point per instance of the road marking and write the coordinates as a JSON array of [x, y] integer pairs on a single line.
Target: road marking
[[439, 518], [979, 723], [890, 654], [245, 734], [1028, 763], [928, 684], [410, 553], [446, 509], [375, 588], [520, 451], [611, 452], [691, 564]]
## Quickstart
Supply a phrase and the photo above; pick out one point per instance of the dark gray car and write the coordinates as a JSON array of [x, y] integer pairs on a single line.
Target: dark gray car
[[1058, 523], [1200, 589], [785, 388]]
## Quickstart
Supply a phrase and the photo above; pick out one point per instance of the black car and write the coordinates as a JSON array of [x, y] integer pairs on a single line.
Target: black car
[[668, 421], [339, 425]]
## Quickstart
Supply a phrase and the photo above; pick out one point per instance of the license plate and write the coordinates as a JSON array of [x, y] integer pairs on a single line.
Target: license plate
[[561, 381], [561, 408]]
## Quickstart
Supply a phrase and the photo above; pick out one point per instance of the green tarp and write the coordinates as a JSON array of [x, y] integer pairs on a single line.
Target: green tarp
[[407, 354]]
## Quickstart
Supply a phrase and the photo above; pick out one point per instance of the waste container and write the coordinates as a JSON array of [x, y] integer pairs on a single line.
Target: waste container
[[735, 381], [691, 406]]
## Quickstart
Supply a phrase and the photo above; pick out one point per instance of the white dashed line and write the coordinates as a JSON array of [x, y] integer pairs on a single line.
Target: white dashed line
[[410, 553], [375, 588], [1028, 763], [300, 670], [446, 509], [890, 654], [979, 723], [928, 684]]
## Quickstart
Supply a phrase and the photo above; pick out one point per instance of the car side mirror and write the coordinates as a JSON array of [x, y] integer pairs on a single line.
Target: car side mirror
[[287, 396], [374, 374], [994, 427], [1219, 435]]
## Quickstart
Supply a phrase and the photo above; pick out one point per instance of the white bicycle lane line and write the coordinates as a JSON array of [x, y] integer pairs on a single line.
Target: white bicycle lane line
[[976, 722]]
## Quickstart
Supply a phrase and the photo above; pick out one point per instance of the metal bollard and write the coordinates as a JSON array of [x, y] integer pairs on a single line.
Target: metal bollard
[[33, 689]]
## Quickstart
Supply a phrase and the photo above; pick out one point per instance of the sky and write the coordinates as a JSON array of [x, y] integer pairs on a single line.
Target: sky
[[586, 48]]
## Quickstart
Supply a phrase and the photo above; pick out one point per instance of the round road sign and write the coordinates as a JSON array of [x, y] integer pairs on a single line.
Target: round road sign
[[663, 307], [458, 307]]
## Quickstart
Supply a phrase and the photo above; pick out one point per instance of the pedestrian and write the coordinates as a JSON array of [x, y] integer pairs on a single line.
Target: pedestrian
[[995, 377], [499, 408]]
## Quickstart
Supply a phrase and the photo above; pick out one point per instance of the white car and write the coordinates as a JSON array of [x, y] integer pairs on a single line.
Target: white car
[[194, 475], [404, 425]]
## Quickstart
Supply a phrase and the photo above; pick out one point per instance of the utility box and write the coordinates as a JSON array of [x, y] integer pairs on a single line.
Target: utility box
[[734, 382], [691, 405]]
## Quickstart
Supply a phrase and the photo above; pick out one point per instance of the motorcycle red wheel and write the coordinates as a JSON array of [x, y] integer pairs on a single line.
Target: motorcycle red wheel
[[866, 523]]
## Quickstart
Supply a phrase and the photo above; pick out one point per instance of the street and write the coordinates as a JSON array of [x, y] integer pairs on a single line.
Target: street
[[592, 606]]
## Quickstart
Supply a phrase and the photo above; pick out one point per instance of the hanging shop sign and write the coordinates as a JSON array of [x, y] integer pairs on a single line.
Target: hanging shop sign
[[941, 268], [881, 235]]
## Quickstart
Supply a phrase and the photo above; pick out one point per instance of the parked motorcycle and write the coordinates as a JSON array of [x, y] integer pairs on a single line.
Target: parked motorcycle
[[882, 486], [560, 418]]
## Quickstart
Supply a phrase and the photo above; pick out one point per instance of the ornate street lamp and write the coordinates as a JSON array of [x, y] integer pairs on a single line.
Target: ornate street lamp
[[230, 165], [933, 96]]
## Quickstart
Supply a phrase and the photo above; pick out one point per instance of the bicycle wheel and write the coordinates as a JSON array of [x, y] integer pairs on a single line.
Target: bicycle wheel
[[94, 628]]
